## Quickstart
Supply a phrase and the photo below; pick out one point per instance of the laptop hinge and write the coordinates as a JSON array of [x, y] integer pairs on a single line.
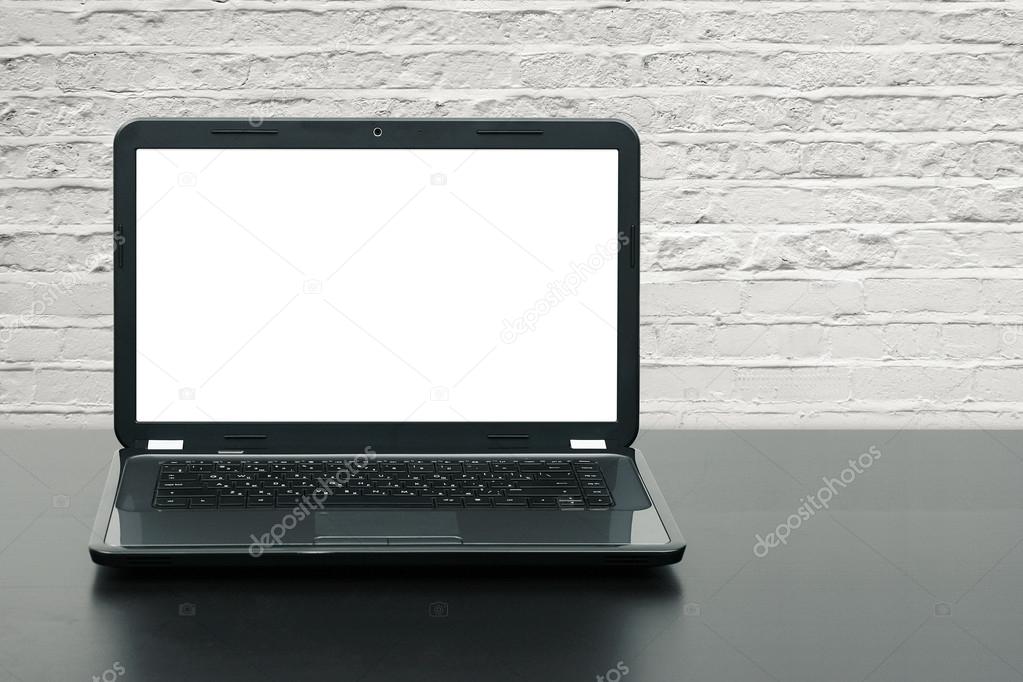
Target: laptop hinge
[[587, 444]]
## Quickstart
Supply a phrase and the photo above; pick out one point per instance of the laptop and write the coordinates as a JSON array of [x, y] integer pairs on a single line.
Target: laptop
[[378, 342]]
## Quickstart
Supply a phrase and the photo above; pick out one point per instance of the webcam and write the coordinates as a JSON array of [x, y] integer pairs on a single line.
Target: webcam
[[377, 132]]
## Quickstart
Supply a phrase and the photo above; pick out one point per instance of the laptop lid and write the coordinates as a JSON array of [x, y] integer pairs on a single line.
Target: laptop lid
[[414, 285]]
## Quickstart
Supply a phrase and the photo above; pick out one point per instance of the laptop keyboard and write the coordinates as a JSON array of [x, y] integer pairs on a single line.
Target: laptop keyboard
[[456, 483]]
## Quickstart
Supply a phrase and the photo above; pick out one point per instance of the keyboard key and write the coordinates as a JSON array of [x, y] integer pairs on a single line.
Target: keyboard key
[[202, 501], [335, 501], [181, 492], [171, 502], [510, 502], [179, 477], [175, 485], [598, 501], [543, 492]]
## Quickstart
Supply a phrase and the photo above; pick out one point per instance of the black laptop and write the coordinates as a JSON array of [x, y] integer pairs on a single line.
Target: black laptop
[[378, 342]]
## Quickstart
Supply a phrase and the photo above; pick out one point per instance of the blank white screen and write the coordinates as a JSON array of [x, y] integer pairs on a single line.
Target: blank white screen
[[376, 285]]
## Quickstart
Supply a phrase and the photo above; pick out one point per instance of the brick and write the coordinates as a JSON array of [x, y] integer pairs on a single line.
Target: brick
[[912, 340], [60, 205], [767, 340], [1003, 296], [687, 250], [67, 294], [689, 298], [922, 295], [792, 384], [686, 382], [30, 344], [55, 252], [55, 159], [850, 341], [16, 386], [970, 341], [1010, 340], [999, 385], [821, 250], [1004, 26], [684, 341], [73, 386], [648, 340], [884, 341], [83, 344], [906, 383], [804, 298]]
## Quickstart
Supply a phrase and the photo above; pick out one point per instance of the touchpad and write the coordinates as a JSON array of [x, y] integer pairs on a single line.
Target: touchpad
[[381, 523]]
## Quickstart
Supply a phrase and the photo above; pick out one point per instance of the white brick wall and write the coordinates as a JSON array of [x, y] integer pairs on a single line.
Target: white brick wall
[[833, 191]]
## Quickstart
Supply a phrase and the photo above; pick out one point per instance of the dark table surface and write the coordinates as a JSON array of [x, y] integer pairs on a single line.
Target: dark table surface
[[914, 571]]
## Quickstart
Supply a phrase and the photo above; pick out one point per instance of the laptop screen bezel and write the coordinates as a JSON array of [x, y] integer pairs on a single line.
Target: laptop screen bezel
[[292, 436]]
